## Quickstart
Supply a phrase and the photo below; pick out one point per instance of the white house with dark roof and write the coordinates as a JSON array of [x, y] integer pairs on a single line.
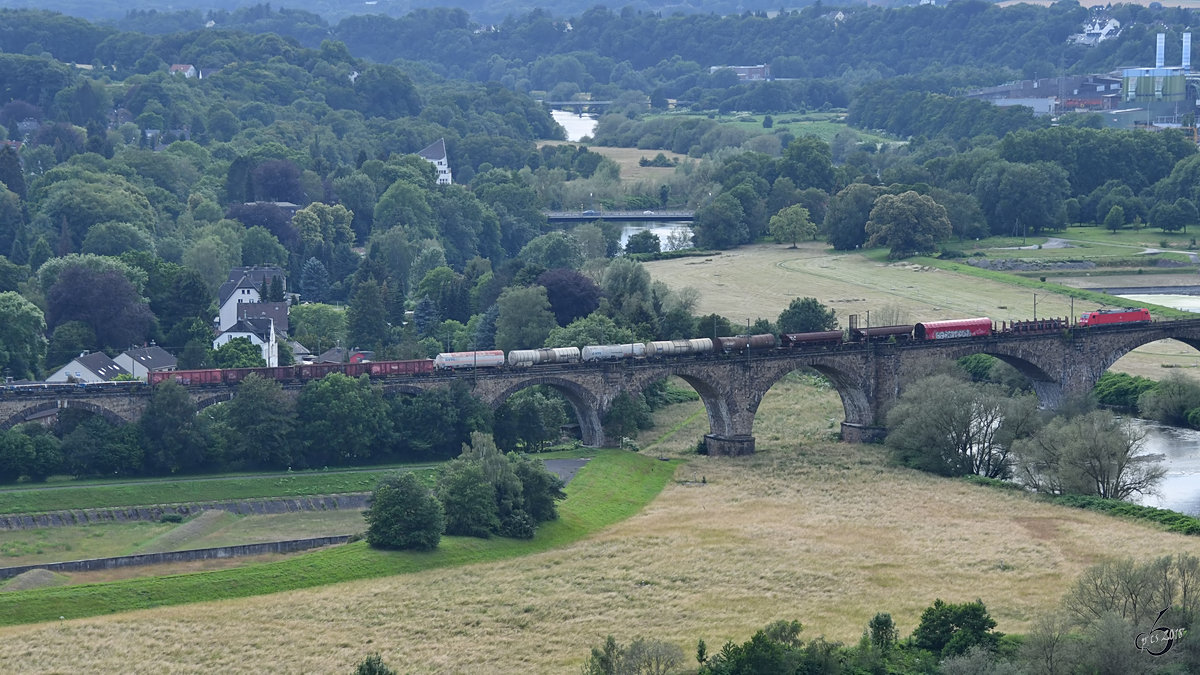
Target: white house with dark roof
[[436, 155], [141, 361], [261, 332], [94, 367], [244, 286]]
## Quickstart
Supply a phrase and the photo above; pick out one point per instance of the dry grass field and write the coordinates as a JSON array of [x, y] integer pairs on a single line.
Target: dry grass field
[[627, 159], [821, 532]]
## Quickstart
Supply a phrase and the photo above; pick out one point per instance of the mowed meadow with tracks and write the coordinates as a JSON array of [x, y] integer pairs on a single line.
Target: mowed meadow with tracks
[[808, 528]]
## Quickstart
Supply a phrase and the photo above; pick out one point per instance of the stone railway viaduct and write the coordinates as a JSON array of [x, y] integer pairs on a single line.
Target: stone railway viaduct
[[868, 377]]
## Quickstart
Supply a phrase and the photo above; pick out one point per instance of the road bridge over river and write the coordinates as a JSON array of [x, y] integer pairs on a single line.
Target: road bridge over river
[[868, 377], [591, 215]]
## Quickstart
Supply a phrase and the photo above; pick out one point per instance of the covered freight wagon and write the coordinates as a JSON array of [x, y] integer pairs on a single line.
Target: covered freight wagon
[[953, 328]]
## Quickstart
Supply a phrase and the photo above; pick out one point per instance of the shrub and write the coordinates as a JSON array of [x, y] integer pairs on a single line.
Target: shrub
[[404, 515], [170, 518]]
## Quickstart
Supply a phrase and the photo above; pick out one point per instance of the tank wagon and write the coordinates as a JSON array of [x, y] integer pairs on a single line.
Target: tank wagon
[[533, 357], [491, 358], [633, 350]]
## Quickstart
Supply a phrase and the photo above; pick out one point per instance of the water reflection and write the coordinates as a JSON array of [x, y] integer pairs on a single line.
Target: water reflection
[[1180, 449], [679, 234]]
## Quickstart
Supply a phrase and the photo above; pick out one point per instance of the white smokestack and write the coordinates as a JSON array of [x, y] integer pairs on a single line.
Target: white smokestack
[[1187, 52], [1159, 53]]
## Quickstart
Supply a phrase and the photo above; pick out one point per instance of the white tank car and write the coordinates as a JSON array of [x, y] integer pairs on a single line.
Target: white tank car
[[533, 357], [612, 352], [679, 347], [454, 360]]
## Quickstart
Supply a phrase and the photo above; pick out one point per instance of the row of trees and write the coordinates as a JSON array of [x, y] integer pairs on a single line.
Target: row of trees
[[482, 492], [335, 421], [949, 425]]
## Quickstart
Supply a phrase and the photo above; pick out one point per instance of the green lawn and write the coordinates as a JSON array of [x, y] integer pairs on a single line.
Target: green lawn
[[823, 125], [610, 488], [191, 489], [50, 544]]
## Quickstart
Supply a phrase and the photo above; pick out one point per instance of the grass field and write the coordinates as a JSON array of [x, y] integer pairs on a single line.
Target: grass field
[[822, 532], [823, 125], [36, 498], [628, 159]]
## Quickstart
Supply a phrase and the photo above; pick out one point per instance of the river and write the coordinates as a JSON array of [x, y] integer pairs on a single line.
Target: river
[[1179, 448], [577, 126]]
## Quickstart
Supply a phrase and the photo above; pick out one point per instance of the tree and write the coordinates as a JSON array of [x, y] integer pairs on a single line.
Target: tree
[[404, 515], [366, 319], [626, 416], [314, 281], [525, 319], [317, 326], [806, 315], [1090, 454], [792, 224], [342, 420], [721, 224], [845, 224], [956, 428], [468, 499], [529, 417], [70, 339], [594, 329], [552, 251], [105, 301], [909, 223], [434, 425], [261, 419], [21, 341], [950, 630], [1115, 219], [571, 294], [808, 161], [238, 352], [644, 241], [176, 438], [1171, 400]]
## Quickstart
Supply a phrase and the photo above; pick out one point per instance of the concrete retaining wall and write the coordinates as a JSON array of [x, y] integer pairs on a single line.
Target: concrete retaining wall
[[287, 546], [32, 521]]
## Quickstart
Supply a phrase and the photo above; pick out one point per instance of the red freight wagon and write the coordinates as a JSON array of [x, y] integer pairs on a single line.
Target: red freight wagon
[[954, 328], [397, 368], [315, 371], [187, 377], [1109, 316]]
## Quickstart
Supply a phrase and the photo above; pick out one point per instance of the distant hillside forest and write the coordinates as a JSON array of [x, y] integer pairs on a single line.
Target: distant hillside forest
[[129, 186]]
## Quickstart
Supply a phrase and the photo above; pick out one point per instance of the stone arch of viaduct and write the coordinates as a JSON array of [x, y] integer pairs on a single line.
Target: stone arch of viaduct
[[868, 378]]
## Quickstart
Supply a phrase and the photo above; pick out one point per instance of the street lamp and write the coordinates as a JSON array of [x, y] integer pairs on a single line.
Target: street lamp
[[1035, 306]]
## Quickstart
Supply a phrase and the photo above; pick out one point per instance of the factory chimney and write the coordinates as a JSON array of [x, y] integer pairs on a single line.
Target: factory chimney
[[1187, 53], [1159, 58]]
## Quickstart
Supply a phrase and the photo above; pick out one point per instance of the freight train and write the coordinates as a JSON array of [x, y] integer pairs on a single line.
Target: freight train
[[658, 349]]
